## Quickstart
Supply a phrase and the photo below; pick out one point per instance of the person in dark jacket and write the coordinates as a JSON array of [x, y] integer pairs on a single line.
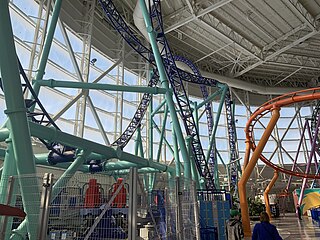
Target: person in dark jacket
[[299, 211], [265, 230], [234, 229]]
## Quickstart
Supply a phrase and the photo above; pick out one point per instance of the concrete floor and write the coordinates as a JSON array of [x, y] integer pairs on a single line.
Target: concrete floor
[[290, 227]]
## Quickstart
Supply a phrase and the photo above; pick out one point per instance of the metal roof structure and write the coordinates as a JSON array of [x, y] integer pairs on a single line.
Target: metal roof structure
[[273, 44]]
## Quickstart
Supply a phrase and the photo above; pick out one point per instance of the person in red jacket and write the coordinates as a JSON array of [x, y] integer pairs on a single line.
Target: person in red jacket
[[265, 230]]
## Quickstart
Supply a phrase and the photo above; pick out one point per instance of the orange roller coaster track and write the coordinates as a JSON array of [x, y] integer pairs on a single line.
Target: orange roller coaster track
[[273, 106]]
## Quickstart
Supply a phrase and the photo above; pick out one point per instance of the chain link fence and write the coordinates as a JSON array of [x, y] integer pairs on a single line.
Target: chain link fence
[[97, 207]]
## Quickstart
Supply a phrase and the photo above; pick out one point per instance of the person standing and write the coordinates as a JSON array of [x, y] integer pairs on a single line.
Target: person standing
[[299, 211], [265, 230], [234, 230]]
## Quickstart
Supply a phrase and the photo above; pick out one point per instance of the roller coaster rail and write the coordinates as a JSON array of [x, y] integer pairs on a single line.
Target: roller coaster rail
[[138, 116], [284, 100], [119, 24], [180, 94], [208, 106], [42, 117], [124, 30], [233, 174]]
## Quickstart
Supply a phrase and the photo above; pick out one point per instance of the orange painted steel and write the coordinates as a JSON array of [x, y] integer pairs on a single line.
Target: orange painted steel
[[248, 170], [247, 154], [267, 190], [284, 100], [271, 106]]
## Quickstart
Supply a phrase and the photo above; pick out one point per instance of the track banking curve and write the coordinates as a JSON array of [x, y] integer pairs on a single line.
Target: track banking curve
[[174, 74], [282, 101]]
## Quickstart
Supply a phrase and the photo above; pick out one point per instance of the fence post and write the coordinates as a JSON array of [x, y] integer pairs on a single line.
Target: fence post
[[179, 218], [44, 205], [4, 221], [196, 210], [132, 218]]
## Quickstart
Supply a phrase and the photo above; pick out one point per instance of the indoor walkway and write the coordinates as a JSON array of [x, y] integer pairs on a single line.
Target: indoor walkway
[[290, 227]]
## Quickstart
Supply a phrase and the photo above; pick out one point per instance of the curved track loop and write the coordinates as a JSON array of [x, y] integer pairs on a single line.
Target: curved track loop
[[138, 116], [284, 100], [180, 94], [233, 172], [177, 75], [42, 117], [124, 30], [208, 106]]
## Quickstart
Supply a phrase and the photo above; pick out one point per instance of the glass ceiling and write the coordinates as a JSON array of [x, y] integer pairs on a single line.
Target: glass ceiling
[[115, 109]]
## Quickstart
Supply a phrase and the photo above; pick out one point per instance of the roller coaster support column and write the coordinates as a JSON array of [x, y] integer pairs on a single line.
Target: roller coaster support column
[[9, 169], [176, 153], [69, 173], [139, 143], [16, 112], [139, 147], [194, 171], [208, 99], [164, 122], [164, 80], [150, 141], [187, 164], [248, 170], [294, 164], [47, 46], [311, 155], [267, 190], [213, 135]]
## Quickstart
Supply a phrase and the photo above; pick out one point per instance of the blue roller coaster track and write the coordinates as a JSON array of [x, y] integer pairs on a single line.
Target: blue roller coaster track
[[208, 107], [176, 77], [174, 74]]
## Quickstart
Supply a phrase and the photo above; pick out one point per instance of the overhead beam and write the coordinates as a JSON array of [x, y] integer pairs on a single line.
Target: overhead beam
[[301, 12], [196, 16], [276, 53]]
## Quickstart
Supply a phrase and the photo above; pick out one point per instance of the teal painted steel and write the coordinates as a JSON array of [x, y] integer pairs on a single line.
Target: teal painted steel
[[164, 122], [163, 79], [125, 172], [158, 107], [141, 153], [176, 153], [16, 113], [210, 98], [136, 142], [151, 176], [194, 171], [69, 173], [212, 137], [53, 135], [4, 134], [9, 169], [99, 86], [164, 139], [47, 45], [187, 164], [195, 174]]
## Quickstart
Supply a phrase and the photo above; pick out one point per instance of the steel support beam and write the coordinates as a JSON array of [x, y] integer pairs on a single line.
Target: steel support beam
[[16, 112]]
